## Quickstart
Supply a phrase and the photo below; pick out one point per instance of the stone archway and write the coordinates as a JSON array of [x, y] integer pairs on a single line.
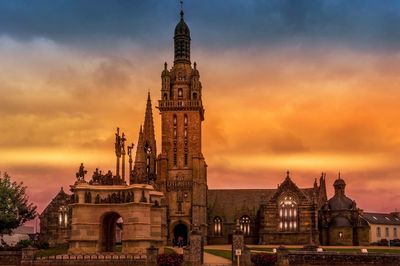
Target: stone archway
[[181, 234], [109, 231]]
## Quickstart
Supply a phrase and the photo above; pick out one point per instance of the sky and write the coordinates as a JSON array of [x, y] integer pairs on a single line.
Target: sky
[[306, 86]]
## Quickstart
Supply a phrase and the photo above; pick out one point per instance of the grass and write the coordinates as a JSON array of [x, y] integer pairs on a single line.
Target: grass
[[169, 251], [270, 249], [52, 251], [227, 254], [397, 251]]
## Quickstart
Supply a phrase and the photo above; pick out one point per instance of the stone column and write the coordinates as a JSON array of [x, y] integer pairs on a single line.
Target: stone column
[[193, 254], [237, 246], [151, 255]]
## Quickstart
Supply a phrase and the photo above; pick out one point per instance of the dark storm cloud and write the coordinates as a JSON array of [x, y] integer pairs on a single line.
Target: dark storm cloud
[[229, 23]]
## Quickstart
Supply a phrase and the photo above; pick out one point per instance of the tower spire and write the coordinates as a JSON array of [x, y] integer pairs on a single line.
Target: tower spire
[[182, 40], [182, 13]]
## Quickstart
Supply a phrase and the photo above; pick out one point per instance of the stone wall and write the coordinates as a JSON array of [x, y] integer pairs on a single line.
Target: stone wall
[[303, 258], [10, 258]]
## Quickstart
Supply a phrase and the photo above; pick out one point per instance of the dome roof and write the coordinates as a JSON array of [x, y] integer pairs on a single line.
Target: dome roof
[[340, 202], [182, 28], [339, 182], [165, 72]]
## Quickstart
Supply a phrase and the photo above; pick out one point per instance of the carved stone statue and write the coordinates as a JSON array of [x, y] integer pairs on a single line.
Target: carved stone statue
[[118, 150], [80, 175]]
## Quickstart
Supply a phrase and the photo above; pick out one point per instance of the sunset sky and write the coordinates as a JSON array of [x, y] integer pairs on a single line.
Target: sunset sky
[[305, 86]]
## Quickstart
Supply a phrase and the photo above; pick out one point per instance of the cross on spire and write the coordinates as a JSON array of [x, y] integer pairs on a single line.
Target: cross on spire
[[181, 2]]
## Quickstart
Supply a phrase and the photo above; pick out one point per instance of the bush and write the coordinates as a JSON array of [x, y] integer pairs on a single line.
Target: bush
[[169, 260], [263, 259], [23, 244], [383, 242], [41, 244]]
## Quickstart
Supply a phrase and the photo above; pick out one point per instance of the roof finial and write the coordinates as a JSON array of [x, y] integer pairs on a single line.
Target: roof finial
[[287, 174], [181, 1], [339, 174]]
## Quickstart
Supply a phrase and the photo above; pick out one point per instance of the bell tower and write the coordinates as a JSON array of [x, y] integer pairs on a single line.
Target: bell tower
[[182, 171]]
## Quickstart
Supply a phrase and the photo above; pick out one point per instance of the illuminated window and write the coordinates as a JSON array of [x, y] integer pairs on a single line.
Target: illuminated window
[[340, 235], [180, 92], [217, 226], [288, 214], [63, 216], [185, 121], [245, 225]]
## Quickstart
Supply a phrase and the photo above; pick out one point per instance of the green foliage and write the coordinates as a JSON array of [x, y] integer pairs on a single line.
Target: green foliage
[[169, 251], [169, 260], [264, 259], [59, 250], [14, 207], [24, 244], [227, 254]]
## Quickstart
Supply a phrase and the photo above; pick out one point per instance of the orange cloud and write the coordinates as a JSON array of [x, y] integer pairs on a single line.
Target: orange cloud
[[267, 110]]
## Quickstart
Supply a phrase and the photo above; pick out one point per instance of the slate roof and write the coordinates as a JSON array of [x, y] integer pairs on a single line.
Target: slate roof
[[228, 203], [231, 203], [340, 202], [381, 218]]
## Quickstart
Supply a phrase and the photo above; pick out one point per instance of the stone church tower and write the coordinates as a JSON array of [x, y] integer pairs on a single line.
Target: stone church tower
[[182, 171]]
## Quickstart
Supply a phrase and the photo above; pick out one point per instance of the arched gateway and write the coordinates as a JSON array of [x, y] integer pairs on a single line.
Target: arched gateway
[[109, 231], [180, 234], [97, 211]]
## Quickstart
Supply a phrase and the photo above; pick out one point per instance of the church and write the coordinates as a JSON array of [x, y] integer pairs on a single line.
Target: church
[[286, 215]]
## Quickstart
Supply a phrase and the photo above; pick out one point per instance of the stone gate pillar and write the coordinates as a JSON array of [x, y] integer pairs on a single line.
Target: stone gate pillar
[[193, 253], [238, 246], [151, 256]]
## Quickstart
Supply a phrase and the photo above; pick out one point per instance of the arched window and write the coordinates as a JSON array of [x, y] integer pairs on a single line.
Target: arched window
[[217, 226], [165, 96], [175, 120], [378, 232], [194, 96], [288, 215], [245, 224], [185, 120], [180, 93], [63, 216]]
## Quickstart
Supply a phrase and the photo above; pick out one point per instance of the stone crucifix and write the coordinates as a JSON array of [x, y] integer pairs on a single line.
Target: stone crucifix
[[118, 150], [130, 148]]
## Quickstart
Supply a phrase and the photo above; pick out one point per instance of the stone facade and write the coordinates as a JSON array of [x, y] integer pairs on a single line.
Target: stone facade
[[290, 216], [55, 220], [261, 215], [182, 171], [341, 222], [94, 220]]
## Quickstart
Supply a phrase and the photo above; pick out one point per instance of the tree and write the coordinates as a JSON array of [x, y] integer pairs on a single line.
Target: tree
[[14, 207]]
